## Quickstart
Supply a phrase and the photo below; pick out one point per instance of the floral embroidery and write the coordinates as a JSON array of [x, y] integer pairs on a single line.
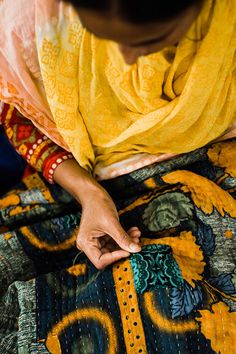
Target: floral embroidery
[[167, 211], [205, 194], [224, 155], [184, 301], [192, 263]]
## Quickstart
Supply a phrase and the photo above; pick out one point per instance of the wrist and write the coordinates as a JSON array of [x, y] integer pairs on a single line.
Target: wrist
[[89, 193], [77, 181]]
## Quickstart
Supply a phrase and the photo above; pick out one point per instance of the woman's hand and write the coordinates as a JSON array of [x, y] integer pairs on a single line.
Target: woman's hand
[[100, 236]]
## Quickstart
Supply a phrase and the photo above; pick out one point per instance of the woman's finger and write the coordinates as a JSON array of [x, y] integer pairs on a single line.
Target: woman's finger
[[122, 238], [112, 245], [134, 233], [102, 260], [133, 228], [112, 257], [136, 240]]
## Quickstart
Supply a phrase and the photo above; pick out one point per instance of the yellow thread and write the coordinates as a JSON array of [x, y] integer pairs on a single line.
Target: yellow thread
[[42, 245], [53, 344], [128, 302], [164, 323], [77, 270]]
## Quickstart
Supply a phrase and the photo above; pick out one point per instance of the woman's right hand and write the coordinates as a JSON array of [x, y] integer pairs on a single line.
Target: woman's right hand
[[100, 235]]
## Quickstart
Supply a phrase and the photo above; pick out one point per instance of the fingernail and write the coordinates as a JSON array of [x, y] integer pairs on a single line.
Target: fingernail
[[134, 247]]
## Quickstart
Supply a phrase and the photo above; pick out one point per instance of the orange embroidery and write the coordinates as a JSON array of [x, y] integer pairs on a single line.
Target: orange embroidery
[[164, 323], [19, 209], [150, 183], [129, 309], [9, 200], [228, 233], [53, 344], [205, 193], [219, 327], [42, 245], [224, 155], [7, 236]]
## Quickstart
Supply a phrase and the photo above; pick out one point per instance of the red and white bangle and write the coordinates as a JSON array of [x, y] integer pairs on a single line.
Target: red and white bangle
[[53, 163]]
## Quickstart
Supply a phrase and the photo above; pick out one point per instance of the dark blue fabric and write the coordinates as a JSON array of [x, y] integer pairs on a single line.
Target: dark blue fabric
[[11, 164]]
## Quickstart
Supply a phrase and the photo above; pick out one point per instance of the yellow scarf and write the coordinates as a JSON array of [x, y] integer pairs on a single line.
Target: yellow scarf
[[173, 101]]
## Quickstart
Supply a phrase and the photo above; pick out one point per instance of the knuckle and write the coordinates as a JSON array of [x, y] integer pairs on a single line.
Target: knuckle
[[106, 222], [123, 238]]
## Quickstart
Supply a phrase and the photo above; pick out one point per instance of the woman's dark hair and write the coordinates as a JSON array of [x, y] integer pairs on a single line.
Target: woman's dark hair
[[137, 11]]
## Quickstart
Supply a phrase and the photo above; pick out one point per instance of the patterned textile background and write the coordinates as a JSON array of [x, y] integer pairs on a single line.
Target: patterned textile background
[[176, 296]]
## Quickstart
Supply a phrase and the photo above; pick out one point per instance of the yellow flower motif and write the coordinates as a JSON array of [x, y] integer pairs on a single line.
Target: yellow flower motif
[[187, 254], [224, 155], [205, 194], [219, 327]]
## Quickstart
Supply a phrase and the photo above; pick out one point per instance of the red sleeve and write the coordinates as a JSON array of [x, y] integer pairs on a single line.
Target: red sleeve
[[35, 147]]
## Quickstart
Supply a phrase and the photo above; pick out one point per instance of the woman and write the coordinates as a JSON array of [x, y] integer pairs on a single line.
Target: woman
[[133, 97]]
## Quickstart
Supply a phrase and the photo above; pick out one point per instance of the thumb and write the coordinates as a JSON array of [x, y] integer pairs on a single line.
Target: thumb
[[123, 239]]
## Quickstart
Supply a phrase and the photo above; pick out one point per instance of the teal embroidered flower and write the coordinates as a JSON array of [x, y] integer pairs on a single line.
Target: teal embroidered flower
[[155, 266], [167, 211]]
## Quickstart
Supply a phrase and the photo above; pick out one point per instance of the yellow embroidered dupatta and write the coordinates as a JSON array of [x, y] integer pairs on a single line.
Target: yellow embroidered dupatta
[[104, 110]]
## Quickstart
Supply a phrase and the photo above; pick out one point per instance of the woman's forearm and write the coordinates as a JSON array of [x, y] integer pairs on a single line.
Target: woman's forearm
[[56, 164], [76, 181]]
